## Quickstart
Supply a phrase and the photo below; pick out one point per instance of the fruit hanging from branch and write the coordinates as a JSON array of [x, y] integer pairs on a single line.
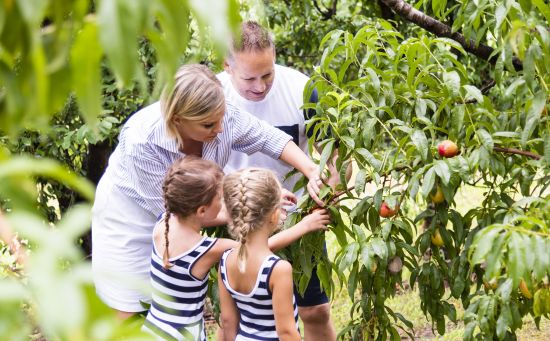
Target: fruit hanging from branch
[[447, 148], [438, 197], [436, 238], [386, 211], [525, 290]]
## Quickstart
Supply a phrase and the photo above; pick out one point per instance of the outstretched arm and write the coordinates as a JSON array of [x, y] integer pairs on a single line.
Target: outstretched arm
[[229, 313], [315, 221], [295, 157]]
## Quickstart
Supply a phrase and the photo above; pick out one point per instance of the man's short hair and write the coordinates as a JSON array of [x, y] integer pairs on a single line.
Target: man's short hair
[[253, 38]]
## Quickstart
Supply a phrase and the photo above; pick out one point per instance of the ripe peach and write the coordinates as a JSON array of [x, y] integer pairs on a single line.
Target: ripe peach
[[447, 148]]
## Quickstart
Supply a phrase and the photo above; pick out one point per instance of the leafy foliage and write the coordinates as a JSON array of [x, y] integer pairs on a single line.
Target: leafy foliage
[[72, 71]]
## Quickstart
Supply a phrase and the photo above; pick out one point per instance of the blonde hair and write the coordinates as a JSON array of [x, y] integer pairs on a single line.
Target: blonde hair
[[190, 183], [196, 94], [250, 196], [253, 38]]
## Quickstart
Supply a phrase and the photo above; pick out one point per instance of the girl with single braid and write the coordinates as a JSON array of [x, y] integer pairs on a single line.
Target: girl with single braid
[[255, 286], [182, 258]]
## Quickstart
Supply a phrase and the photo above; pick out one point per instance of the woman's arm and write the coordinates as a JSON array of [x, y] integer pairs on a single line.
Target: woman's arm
[[280, 284], [229, 314], [295, 157], [315, 221]]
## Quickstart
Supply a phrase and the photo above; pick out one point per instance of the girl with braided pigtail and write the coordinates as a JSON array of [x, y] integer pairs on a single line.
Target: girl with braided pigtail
[[182, 257], [255, 286]]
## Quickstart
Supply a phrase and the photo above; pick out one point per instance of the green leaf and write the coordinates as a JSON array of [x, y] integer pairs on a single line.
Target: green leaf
[[457, 120], [326, 153], [374, 162], [546, 157], [428, 182], [121, 22], [516, 258], [504, 321], [486, 139], [47, 168], [360, 180], [534, 110], [349, 257], [474, 93], [421, 143], [543, 8], [452, 82], [86, 55], [442, 170], [379, 247], [31, 10], [483, 243]]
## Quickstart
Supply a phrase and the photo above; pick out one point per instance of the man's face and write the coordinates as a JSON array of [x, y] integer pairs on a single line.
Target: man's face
[[252, 73]]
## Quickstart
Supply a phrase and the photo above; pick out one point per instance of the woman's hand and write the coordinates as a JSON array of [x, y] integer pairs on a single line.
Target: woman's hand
[[317, 220], [314, 186]]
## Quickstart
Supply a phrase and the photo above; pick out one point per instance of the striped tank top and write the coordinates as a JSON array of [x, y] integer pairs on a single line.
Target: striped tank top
[[176, 311], [257, 321]]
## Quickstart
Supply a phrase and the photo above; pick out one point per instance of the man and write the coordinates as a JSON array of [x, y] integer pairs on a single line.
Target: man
[[274, 93]]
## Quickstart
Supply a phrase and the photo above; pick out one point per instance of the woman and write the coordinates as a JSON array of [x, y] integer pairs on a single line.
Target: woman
[[192, 118]]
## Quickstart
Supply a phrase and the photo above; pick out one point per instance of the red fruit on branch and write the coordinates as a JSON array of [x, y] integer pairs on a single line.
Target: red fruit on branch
[[386, 211], [447, 148]]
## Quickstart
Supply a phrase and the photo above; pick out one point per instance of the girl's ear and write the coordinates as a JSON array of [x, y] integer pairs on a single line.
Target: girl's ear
[[274, 216], [201, 211]]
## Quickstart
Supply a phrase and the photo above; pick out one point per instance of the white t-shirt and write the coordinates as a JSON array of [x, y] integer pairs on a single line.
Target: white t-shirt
[[282, 108]]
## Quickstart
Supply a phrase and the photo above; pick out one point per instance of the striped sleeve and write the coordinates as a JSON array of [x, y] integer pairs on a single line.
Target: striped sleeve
[[251, 135], [145, 176]]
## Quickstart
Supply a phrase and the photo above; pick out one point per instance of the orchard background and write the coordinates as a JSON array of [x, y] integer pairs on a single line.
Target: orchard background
[[395, 79]]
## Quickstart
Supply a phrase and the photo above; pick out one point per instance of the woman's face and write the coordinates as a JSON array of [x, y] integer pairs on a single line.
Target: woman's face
[[204, 130]]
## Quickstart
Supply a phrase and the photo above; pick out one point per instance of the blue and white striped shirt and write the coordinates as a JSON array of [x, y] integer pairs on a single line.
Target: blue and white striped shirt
[[145, 151], [176, 312], [257, 320]]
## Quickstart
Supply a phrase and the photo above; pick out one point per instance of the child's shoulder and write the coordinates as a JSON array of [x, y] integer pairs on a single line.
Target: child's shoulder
[[281, 267]]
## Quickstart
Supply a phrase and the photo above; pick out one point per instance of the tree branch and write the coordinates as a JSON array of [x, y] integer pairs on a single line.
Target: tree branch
[[328, 13], [441, 30], [517, 151]]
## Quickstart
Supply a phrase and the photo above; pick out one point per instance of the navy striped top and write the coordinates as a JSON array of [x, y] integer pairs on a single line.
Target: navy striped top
[[257, 321], [176, 311]]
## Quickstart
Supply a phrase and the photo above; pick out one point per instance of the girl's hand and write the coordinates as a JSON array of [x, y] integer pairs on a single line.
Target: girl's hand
[[288, 198], [317, 220]]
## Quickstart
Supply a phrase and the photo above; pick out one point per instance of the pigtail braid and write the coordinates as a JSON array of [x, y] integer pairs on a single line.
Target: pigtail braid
[[165, 255], [243, 223], [250, 196]]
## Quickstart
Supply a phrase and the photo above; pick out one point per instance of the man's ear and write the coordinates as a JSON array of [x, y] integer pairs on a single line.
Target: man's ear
[[226, 66]]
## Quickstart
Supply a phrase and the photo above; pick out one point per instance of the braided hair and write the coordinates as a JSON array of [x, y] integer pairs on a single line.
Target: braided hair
[[190, 182], [250, 196]]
